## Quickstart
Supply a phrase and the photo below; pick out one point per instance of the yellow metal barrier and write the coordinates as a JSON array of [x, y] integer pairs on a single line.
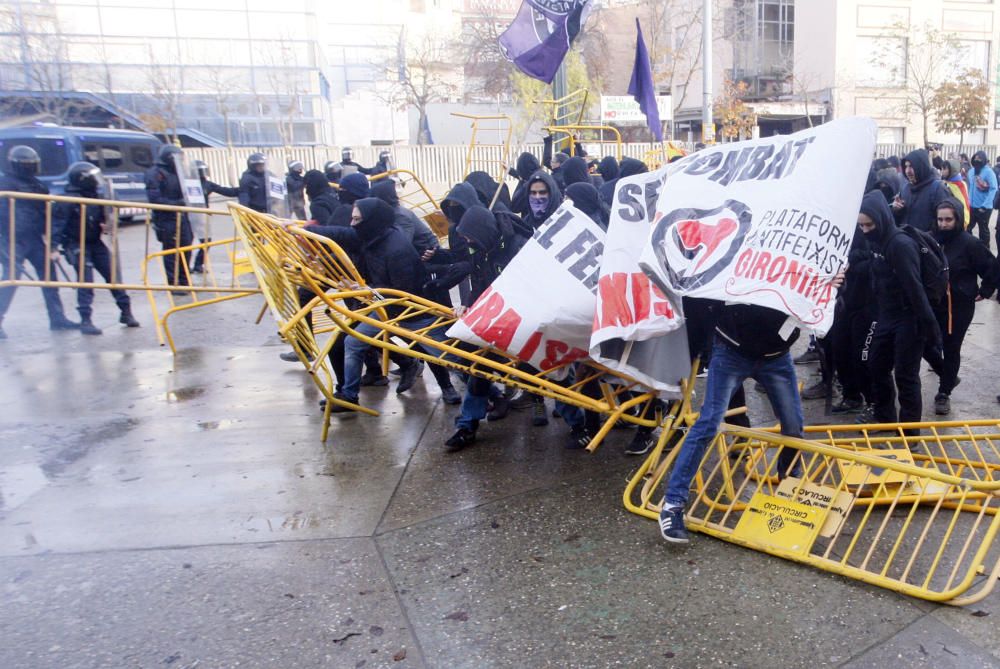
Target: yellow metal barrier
[[491, 157], [287, 260], [418, 198], [210, 289], [592, 134], [915, 514]]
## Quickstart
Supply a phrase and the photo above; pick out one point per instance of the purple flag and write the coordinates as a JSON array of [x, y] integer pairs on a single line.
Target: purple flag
[[537, 40], [641, 86]]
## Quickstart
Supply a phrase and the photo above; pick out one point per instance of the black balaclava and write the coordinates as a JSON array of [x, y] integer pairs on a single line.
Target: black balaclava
[[480, 226], [874, 206], [376, 218], [575, 171], [527, 165], [631, 166], [316, 184], [353, 187], [385, 190], [586, 199], [608, 168], [946, 235]]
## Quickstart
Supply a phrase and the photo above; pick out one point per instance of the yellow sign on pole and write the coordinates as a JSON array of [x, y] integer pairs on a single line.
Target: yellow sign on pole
[[779, 523], [708, 133]]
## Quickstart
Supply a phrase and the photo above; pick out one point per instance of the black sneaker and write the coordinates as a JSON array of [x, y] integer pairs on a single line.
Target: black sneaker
[[578, 439], [942, 404], [525, 400], [539, 416], [672, 525], [500, 408], [810, 355], [846, 405], [463, 438], [87, 327], [337, 408], [410, 376], [642, 443], [60, 322], [867, 414], [450, 396], [374, 379]]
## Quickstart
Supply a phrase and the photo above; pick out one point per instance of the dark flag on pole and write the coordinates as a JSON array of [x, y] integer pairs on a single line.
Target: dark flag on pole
[[537, 40], [641, 86]]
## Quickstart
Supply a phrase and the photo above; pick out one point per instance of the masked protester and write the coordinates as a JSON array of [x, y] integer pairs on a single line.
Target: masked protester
[[29, 231], [544, 197], [527, 165], [295, 189], [968, 262], [558, 161], [585, 198], [173, 230], [921, 193], [80, 229], [323, 199], [906, 322], [982, 185], [415, 229], [575, 171], [490, 193], [627, 168], [353, 187]]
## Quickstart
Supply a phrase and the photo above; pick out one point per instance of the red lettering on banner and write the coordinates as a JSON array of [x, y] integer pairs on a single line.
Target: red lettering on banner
[[501, 332], [627, 299], [559, 352], [786, 273], [528, 350], [488, 320], [486, 308]]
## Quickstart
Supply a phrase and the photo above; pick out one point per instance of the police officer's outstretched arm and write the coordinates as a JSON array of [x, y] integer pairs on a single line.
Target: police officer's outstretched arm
[[246, 184]]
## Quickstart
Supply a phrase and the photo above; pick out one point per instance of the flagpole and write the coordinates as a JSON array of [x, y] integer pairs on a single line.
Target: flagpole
[[559, 85], [706, 74]]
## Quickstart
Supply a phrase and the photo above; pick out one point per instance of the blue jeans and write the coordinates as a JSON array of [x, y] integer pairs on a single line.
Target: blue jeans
[[727, 371], [354, 351]]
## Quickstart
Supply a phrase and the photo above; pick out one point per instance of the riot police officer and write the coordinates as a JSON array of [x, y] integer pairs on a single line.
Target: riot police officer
[[295, 187], [199, 223], [384, 163], [80, 236], [173, 229], [333, 171], [253, 183], [29, 240], [348, 165]]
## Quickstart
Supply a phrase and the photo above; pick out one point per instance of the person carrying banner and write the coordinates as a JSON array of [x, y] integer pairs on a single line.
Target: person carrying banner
[[586, 198], [751, 342], [917, 203], [906, 322], [968, 262], [627, 168]]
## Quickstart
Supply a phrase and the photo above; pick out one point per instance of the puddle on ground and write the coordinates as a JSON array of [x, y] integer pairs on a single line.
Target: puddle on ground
[[207, 425]]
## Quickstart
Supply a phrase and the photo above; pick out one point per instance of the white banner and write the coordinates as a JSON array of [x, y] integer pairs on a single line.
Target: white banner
[[541, 308], [766, 222], [633, 316]]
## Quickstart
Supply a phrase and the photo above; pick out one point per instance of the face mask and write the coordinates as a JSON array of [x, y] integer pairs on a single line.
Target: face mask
[[872, 235], [538, 204]]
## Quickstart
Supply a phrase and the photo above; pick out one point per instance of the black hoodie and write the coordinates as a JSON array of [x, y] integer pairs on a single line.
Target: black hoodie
[[575, 172], [921, 197], [527, 165], [608, 167], [415, 229], [555, 199], [897, 286], [486, 188], [490, 249], [968, 260], [322, 198], [586, 199], [628, 167], [390, 259]]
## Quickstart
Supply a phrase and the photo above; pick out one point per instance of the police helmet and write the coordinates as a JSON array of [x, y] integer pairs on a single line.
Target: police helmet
[[24, 161], [201, 168], [384, 155], [346, 154], [84, 176], [167, 154], [256, 159], [333, 170], [296, 166]]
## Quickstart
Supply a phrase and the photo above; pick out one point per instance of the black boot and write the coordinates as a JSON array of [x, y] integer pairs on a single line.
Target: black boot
[[127, 318], [88, 328], [58, 321]]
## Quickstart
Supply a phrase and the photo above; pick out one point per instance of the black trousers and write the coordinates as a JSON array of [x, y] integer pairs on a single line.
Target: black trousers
[[895, 366], [961, 318], [851, 338], [96, 257], [30, 246], [167, 234], [981, 218]]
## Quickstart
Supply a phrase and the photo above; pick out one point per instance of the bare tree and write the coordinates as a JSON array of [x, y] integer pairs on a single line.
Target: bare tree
[[43, 59], [220, 84], [283, 75], [165, 89], [479, 45], [425, 76]]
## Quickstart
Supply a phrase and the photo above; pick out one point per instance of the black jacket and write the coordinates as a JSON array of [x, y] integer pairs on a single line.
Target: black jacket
[[492, 248], [527, 165], [856, 293], [897, 287], [628, 167], [921, 198], [29, 215], [968, 261], [66, 220], [487, 187], [323, 199], [254, 191], [390, 259], [574, 172], [586, 199], [608, 167], [415, 229], [209, 187], [754, 331], [163, 187]]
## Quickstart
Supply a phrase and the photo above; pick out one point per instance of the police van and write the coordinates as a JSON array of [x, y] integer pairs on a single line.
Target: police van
[[123, 156]]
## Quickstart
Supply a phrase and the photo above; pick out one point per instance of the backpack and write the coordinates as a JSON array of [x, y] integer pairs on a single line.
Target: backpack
[[933, 264]]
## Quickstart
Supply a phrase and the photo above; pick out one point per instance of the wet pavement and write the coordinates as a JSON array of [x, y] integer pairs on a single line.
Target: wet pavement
[[161, 512]]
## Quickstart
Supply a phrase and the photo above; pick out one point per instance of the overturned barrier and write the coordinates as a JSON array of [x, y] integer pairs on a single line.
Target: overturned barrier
[[222, 279], [915, 514], [299, 271]]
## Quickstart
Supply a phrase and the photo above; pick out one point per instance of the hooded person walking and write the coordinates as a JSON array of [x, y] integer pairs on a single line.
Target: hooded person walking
[[982, 184], [922, 191]]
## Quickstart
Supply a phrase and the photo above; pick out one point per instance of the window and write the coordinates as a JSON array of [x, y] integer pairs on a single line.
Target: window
[[881, 61], [141, 155], [890, 135], [51, 152]]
